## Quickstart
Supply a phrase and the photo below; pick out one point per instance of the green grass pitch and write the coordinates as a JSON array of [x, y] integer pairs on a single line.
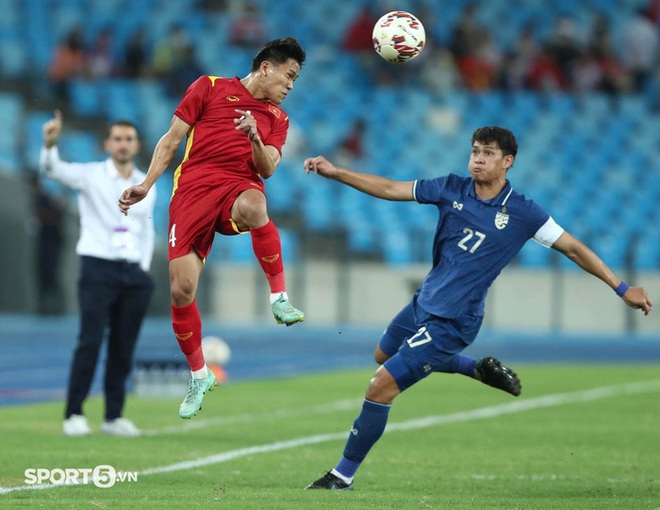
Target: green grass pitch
[[579, 437]]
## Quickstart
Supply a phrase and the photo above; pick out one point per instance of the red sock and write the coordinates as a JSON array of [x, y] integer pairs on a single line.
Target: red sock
[[268, 250], [187, 326]]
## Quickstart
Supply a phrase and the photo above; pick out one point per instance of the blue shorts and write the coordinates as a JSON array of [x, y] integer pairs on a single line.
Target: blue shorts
[[419, 343]]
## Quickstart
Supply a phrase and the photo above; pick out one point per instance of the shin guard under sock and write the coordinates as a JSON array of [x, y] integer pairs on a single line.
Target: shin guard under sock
[[268, 250], [187, 326], [366, 430]]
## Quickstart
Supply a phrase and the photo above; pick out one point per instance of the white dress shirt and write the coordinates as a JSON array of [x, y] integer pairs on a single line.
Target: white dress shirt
[[105, 232]]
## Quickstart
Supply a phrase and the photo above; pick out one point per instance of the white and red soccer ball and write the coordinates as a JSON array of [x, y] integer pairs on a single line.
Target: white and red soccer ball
[[215, 350], [398, 36]]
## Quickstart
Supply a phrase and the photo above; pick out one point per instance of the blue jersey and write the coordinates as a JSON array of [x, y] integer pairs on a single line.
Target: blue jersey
[[473, 242]]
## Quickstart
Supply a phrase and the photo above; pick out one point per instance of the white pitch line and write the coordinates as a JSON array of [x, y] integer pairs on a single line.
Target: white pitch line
[[339, 405], [554, 400]]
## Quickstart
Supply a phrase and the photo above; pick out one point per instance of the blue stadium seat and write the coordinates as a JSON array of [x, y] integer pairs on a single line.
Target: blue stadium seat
[[13, 57], [362, 238], [280, 190], [611, 248], [120, 100], [11, 113], [558, 104], [317, 206], [290, 248], [9, 161], [161, 209], [33, 137], [647, 252], [11, 15], [236, 249], [87, 99], [396, 247], [80, 146]]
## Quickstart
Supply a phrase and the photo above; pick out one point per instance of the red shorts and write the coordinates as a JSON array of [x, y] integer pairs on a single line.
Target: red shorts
[[197, 213]]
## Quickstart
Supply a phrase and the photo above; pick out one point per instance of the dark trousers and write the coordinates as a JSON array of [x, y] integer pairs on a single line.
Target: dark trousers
[[114, 296]]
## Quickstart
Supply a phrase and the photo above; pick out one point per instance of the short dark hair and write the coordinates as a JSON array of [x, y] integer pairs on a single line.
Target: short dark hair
[[504, 138], [278, 51], [123, 123]]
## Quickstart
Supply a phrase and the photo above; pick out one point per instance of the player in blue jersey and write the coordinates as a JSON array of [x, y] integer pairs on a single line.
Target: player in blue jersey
[[482, 224]]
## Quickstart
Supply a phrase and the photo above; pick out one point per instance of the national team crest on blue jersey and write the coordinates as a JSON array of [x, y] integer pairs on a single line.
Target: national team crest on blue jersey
[[501, 219]]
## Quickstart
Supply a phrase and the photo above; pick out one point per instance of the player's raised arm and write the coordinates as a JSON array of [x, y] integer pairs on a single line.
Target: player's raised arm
[[265, 157], [163, 154], [373, 185], [583, 256]]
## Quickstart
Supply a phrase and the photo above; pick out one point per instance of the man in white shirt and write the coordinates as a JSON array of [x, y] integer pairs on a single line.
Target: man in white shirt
[[114, 287]]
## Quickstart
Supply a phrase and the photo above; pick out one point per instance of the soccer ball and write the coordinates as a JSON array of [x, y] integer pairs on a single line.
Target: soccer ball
[[398, 36], [215, 350]]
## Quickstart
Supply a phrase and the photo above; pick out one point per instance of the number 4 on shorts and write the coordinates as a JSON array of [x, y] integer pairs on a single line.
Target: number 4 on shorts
[[172, 237]]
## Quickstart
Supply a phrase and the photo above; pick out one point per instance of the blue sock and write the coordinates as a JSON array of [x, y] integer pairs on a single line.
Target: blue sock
[[465, 365], [367, 429]]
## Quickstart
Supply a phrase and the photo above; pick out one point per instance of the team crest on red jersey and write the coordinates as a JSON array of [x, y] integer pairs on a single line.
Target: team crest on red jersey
[[233, 99], [274, 110]]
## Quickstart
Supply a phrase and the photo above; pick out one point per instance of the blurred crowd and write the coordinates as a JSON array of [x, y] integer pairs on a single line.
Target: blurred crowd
[[568, 58], [172, 58]]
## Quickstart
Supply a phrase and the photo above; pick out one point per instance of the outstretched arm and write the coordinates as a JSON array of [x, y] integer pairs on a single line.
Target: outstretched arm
[[373, 185], [578, 252], [163, 153]]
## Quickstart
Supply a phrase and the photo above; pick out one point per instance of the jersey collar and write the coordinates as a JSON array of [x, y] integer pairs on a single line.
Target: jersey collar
[[500, 199], [112, 172]]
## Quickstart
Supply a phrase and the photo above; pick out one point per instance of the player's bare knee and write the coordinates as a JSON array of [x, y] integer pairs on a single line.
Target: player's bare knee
[[250, 210], [182, 294], [382, 387]]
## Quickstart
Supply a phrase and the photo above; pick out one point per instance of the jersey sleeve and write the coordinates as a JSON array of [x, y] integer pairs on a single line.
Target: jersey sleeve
[[277, 137], [429, 191], [191, 107], [70, 174]]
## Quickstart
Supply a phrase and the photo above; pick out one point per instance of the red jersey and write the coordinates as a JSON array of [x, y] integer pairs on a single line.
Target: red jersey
[[215, 149]]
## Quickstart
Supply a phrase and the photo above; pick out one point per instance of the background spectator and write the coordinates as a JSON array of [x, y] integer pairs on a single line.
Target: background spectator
[[350, 149], [599, 45], [640, 49], [185, 71], [248, 29], [135, 55], [545, 73], [357, 37], [170, 51], [564, 45], [68, 62], [467, 33], [100, 59], [439, 71], [516, 65]]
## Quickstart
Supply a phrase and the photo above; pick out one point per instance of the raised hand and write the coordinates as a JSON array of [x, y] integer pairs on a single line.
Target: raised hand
[[52, 129]]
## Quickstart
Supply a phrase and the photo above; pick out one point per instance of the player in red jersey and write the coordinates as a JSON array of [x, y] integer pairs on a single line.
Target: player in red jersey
[[235, 132]]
